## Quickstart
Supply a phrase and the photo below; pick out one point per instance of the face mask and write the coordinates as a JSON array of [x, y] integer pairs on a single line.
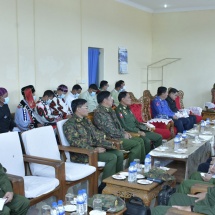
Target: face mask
[[124, 87], [93, 93], [6, 100], [121, 90], [48, 102], [34, 97], [62, 96], [77, 95]]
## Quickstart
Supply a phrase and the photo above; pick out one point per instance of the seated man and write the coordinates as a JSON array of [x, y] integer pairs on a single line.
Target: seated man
[[160, 109], [90, 96], [103, 86], [74, 94], [25, 115], [115, 93], [130, 123], [203, 203], [106, 120], [6, 123], [15, 204], [58, 105], [43, 112], [172, 95], [80, 132], [197, 178]]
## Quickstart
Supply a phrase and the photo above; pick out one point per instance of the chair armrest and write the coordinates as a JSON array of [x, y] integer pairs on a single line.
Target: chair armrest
[[57, 164], [175, 211], [133, 134], [200, 188], [92, 154], [17, 184]]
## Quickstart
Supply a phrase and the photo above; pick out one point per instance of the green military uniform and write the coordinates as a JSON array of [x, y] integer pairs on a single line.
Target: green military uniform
[[80, 132], [205, 206], [130, 124], [19, 204], [106, 120], [195, 178]]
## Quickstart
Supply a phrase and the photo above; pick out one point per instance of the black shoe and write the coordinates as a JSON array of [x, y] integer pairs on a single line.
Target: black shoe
[[101, 187]]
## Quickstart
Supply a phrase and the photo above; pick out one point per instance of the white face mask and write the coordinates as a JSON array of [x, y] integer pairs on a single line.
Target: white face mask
[[6, 100], [124, 88], [34, 97]]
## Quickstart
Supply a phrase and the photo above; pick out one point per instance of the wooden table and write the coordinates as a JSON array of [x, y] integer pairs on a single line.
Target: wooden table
[[196, 154], [125, 190], [208, 114], [118, 213]]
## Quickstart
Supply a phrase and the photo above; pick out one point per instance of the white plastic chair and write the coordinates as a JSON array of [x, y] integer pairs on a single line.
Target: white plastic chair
[[11, 158], [42, 142]]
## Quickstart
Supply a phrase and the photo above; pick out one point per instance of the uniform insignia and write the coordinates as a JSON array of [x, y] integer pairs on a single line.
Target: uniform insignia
[[157, 104], [120, 115], [24, 115]]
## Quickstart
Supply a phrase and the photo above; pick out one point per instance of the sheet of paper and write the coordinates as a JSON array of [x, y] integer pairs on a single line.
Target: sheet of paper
[[2, 201]]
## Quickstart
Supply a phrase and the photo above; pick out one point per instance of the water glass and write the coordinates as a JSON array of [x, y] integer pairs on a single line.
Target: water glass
[[69, 198], [157, 164], [139, 168], [97, 204], [164, 144], [46, 210]]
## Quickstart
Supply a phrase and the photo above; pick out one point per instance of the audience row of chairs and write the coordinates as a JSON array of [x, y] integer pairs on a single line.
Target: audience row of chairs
[[36, 151]]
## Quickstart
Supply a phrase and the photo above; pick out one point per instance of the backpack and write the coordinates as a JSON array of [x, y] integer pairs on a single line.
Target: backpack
[[135, 206], [165, 194]]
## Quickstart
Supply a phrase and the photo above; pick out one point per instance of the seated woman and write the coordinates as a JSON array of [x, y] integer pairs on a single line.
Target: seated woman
[[25, 114], [6, 122], [58, 105]]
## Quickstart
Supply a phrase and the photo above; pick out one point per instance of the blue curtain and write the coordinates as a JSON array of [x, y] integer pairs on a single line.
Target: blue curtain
[[93, 65]]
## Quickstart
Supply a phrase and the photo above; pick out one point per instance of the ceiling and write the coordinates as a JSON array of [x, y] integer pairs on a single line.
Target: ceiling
[[157, 6]]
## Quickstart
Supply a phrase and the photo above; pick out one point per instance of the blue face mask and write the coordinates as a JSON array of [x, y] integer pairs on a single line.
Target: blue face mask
[[77, 95], [6, 100], [62, 96], [34, 97], [48, 102], [93, 93]]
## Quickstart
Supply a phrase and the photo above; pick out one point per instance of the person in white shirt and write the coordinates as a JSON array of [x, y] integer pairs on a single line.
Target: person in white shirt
[[74, 94], [90, 96]]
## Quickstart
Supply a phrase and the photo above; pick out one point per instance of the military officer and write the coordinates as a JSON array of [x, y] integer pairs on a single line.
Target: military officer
[[15, 204], [203, 203], [130, 123], [80, 132], [106, 120]]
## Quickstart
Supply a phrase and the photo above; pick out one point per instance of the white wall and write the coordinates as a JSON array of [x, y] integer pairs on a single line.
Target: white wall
[[45, 43], [190, 36]]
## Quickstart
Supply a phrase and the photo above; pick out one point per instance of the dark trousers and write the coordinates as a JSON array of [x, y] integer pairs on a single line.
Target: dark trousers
[[182, 124]]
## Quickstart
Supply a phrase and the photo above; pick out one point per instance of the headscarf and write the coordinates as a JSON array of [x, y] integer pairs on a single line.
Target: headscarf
[[26, 87], [2, 91], [63, 88]]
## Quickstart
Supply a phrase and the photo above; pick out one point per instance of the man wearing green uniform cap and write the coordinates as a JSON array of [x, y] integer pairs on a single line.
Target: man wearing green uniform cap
[[80, 132], [15, 204], [130, 123], [106, 120]]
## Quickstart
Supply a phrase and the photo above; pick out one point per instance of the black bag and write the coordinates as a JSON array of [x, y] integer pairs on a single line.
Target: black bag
[[165, 194], [135, 206]]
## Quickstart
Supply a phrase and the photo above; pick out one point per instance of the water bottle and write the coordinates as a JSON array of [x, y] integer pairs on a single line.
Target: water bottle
[[202, 130], [207, 121], [176, 143], [80, 203], [54, 210], [131, 173], [85, 199], [61, 208], [184, 135], [135, 170], [147, 163]]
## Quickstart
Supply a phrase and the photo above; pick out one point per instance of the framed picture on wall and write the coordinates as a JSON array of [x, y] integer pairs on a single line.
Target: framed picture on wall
[[123, 60]]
